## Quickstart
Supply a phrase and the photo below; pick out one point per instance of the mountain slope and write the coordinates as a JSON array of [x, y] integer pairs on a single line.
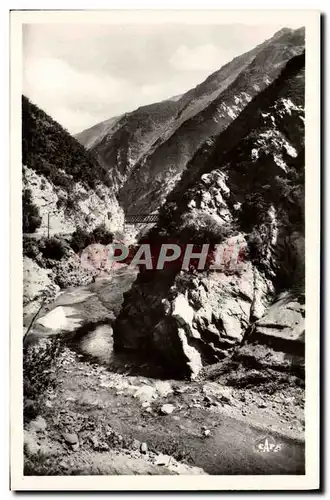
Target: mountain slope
[[147, 162], [62, 178], [121, 142], [244, 191], [93, 135]]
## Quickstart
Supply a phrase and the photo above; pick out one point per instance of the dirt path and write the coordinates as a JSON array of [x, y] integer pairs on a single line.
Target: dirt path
[[216, 428]]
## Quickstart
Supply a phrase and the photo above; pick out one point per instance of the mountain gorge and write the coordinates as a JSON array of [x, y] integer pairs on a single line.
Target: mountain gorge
[[223, 165], [147, 150], [195, 368]]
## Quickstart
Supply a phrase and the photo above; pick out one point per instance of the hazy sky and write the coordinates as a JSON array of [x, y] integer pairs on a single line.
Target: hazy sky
[[84, 74]]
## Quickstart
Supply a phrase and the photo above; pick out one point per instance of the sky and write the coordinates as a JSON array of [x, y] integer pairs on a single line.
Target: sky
[[82, 74]]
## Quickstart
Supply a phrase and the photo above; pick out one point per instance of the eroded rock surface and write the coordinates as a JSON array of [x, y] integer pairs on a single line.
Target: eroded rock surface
[[244, 192]]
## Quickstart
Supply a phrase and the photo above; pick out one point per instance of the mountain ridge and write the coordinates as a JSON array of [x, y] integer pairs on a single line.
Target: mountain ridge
[[146, 176]]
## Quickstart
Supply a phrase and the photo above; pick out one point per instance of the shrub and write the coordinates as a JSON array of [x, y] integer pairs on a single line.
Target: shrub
[[81, 238], [70, 204], [60, 202], [167, 215], [200, 227], [254, 211], [62, 180], [256, 246], [30, 215], [30, 247], [102, 235], [39, 370], [53, 248]]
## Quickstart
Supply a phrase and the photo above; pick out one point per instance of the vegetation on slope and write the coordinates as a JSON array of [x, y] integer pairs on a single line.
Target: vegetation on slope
[[255, 183], [50, 150], [55, 248], [31, 219]]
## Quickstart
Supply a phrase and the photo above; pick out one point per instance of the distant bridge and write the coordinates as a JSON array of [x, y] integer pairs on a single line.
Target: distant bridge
[[141, 219]]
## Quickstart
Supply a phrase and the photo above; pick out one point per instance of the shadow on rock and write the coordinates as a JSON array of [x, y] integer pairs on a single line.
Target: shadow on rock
[[93, 342]]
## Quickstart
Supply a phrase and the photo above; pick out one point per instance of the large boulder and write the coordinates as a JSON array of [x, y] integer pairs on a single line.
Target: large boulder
[[199, 319], [283, 326], [277, 340]]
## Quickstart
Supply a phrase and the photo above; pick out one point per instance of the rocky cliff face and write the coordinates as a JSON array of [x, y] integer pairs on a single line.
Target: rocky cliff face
[[67, 210], [244, 191], [146, 151]]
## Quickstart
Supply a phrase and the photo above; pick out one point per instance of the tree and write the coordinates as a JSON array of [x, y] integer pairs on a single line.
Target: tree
[[31, 216]]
